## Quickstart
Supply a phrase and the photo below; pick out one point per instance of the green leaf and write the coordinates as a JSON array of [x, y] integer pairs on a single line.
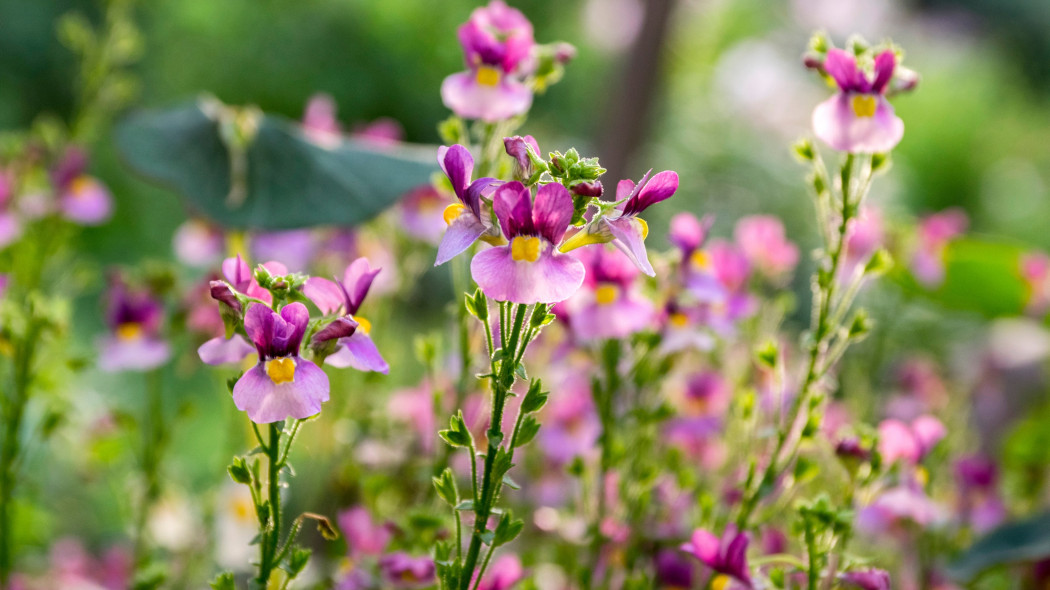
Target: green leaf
[[507, 529], [510, 483], [457, 435], [297, 561], [535, 399], [445, 484], [239, 471], [1025, 540], [224, 581], [288, 181], [529, 427], [465, 506]]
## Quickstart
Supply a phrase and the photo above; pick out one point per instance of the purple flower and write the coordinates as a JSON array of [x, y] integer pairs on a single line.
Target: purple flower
[[497, 44], [1035, 272], [222, 351], [357, 350], [761, 238], [416, 406], [133, 343], [503, 574], [979, 503], [402, 570], [898, 440], [320, 123], [672, 570], [727, 555], [522, 149], [466, 222], [282, 385], [622, 226], [384, 131], [81, 198], [607, 307], [858, 118], [689, 233], [897, 506], [421, 214], [295, 248], [10, 226], [198, 243], [869, 579], [935, 232], [529, 269], [363, 535]]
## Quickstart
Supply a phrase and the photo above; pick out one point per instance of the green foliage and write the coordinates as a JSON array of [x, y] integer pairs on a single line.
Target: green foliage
[[1021, 541]]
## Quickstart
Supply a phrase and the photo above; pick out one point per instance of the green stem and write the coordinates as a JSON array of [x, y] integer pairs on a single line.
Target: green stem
[[812, 555], [603, 395], [271, 533], [154, 436]]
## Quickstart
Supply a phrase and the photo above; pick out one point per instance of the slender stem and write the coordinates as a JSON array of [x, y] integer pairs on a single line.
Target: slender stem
[[603, 395], [813, 573], [154, 436], [268, 546]]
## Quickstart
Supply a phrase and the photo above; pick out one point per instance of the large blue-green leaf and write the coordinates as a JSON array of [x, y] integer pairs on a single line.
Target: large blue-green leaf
[[1025, 540], [287, 181]]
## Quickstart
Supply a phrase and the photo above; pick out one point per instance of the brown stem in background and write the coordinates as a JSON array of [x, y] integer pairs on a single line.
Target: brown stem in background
[[624, 122]]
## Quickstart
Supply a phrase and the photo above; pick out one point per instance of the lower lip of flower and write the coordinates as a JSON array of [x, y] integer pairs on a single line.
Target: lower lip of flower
[[129, 331], [864, 105], [606, 294], [487, 76], [525, 248], [281, 370], [699, 259], [452, 212], [80, 186], [720, 582], [679, 320]]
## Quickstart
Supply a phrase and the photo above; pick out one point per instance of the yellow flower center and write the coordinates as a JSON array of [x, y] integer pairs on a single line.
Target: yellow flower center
[[720, 582], [922, 476], [700, 259], [452, 212], [645, 227], [606, 294], [129, 330], [363, 325], [281, 370], [487, 76], [525, 248], [80, 185], [242, 509], [864, 105], [679, 320]]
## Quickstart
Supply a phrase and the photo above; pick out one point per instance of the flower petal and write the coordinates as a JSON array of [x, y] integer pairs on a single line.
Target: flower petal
[[464, 96], [552, 211], [359, 352], [220, 351], [513, 206], [704, 545], [358, 279], [461, 233], [297, 316], [631, 241], [458, 165], [656, 189], [138, 354], [325, 294], [836, 124], [266, 402], [258, 324], [842, 67], [885, 62], [550, 279]]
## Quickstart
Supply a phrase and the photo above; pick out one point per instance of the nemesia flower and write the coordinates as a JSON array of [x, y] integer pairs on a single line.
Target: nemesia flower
[[519, 148], [868, 579], [421, 214], [282, 385], [240, 276], [198, 243], [529, 269], [416, 406], [607, 307], [622, 226], [689, 233], [858, 119], [935, 232], [497, 43], [864, 236], [357, 350], [570, 422], [235, 349], [466, 221], [762, 240], [401, 570], [673, 570], [897, 506], [726, 556], [503, 574], [295, 248], [134, 319], [977, 478], [10, 226], [384, 131], [363, 535], [81, 198], [1035, 272], [898, 440], [320, 123]]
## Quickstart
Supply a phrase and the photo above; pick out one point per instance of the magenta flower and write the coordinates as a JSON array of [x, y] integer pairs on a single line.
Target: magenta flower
[[858, 119], [622, 226], [673, 570], [503, 574], [363, 535], [320, 123], [935, 232], [282, 385], [239, 275], [466, 220], [198, 243], [607, 306], [761, 238], [416, 407], [727, 556], [10, 226], [81, 198], [421, 214], [357, 350], [401, 570], [133, 343], [977, 478], [384, 131], [522, 149], [864, 236], [497, 44], [896, 507], [529, 269], [868, 579], [898, 440], [1035, 272]]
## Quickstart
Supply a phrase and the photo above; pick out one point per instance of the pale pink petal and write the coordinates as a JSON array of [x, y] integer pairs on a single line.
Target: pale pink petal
[[550, 279], [266, 402], [464, 96]]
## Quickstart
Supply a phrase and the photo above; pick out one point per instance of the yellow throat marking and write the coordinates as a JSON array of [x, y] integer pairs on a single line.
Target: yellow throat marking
[[281, 370], [700, 259], [864, 105], [721, 582], [452, 212], [129, 331], [363, 325], [525, 248], [606, 294], [487, 76]]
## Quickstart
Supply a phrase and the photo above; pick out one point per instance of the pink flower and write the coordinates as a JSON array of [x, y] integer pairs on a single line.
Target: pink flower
[[363, 535], [761, 239], [727, 555], [935, 232], [898, 440], [608, 306], [858, 118]]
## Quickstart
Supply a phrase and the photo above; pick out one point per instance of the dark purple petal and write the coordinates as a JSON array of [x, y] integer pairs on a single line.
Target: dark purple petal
[[735, 557], [553, 277], [258, 324], [357, 280], [842, 67], [223, 293], [656, 189], [461, 233], [885, 62], [479, 187], [588, 189], [266, 401], [458, 165], [338, 328], [518, 147], [220, 351], [298, 317], [513, 206], [359, 352], [552, 212]]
